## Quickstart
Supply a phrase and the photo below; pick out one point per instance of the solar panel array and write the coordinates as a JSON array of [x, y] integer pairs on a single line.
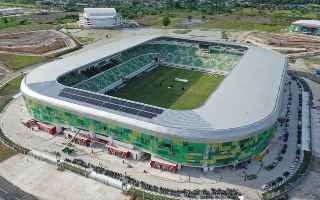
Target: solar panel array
[[111, 103]]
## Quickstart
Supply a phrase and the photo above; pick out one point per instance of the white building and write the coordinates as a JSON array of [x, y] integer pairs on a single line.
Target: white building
[[306, 26], [99, 18]]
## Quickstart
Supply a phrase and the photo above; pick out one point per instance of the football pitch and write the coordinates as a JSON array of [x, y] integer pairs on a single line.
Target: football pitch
[[172, 88]]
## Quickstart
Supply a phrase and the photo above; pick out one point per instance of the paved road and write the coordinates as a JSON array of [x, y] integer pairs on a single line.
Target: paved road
[[8, 191], [315, 118]]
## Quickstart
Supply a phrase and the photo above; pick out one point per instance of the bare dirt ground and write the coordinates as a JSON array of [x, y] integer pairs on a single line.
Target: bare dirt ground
[[35, 42], [292, 44], [250, 19]]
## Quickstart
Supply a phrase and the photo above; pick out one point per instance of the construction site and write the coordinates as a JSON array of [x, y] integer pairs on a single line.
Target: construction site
[[36, 42], [295, 45]]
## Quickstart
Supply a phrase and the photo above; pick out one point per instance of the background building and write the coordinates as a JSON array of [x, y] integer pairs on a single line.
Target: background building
[[99, 18], [306, 26]]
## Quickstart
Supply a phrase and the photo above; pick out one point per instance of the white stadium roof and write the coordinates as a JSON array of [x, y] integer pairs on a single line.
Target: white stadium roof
[[246, 101], [99, 12]]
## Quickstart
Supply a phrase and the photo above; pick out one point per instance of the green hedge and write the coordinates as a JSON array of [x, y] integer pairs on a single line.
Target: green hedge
[[138, 194], [75, 169]]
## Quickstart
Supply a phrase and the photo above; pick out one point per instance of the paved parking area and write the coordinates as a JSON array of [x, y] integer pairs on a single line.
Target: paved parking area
[[315, 87], [315, 117], [309, 188], [45, 182]]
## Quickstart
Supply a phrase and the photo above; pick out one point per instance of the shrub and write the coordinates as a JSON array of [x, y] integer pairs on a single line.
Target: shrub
[[166, 21]]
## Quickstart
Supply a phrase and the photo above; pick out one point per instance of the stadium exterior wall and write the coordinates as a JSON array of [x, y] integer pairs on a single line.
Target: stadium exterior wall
[[220, 139], [174, 149]]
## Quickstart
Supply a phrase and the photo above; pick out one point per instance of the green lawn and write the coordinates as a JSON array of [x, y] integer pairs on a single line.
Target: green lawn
[[16, 62], [160, 88], [243, 19], [27, 27], [4, 4], [7, 22], [138, 194], [240, 25], [10, 89], [5, 153]]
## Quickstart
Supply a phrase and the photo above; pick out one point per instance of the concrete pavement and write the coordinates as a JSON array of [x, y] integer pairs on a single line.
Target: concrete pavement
[[45, 182]]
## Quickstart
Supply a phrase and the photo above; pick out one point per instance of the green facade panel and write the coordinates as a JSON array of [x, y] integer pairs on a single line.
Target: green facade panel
[[172, 149]]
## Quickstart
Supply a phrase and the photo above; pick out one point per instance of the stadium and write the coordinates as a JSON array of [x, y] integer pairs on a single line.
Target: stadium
[[196, 103]]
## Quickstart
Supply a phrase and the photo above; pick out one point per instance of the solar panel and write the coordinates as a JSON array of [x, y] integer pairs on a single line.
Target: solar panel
[[111, 103], [132, 105], [146, 114], [116, 101], [129, 110], [111, 106], [81, 98], [152, 109], [103, 98]]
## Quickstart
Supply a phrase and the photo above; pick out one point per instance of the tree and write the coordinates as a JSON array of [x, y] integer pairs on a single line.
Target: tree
[[166, 21], [5, 20], [224, 35], [23, 22]]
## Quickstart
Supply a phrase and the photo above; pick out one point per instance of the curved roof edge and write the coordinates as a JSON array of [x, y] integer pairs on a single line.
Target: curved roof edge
[[308, 23], [246, 102]]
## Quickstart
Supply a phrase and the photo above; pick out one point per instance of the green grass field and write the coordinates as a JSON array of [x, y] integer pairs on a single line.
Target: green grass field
[[16, 62], [8, 90], [4, 4], [27, 28], [160, 88], [5, 153]]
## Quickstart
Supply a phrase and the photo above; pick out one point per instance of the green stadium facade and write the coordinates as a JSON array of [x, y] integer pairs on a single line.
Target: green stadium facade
[[214, 135]]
